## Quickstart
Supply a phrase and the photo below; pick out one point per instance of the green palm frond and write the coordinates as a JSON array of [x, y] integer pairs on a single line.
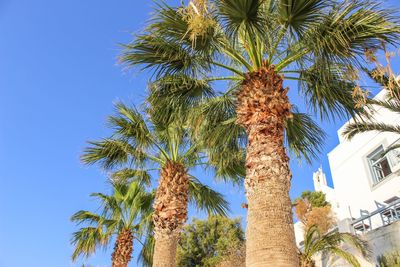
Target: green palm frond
[[171, 97], [326, 93], [128, 174], [331, 244], [110, 153], [87, 240], [146, 253], [204, 198], [163, 56], [388, 103], [130, 124], [128, 207], [301, 15], [353, 129], [349, 28], [304, 137], [241, 15], [84, 216]]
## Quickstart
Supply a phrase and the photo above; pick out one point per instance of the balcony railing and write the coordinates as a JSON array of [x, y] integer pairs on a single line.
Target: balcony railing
[[384, 215]]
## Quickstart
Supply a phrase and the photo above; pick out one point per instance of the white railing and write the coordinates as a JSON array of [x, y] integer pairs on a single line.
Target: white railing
[[384, 215]]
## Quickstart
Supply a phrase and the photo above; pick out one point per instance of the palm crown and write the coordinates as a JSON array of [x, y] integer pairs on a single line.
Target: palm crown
[[145, 147], [313, 42], [126, 214]]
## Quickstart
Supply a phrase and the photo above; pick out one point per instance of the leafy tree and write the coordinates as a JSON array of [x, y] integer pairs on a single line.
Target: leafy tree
[[314, 198], [124, 215], [330, 244], [208, 242], [313, 209], [250, 47], [146, 146]]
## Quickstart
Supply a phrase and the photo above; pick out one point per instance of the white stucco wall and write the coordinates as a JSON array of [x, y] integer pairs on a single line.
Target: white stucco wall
[[351, 173]]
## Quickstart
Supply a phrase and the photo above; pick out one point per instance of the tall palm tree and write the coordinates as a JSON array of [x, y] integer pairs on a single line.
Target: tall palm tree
[[330, 244], [146, 146], [125, 215], [254, 46]]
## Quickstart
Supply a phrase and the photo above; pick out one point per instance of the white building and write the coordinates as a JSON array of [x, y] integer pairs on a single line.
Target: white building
[[366, 185]]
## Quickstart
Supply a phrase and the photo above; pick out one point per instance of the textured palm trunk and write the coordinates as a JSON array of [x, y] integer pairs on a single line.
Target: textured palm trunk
[[170, 213], [262, 109], [123, 249]]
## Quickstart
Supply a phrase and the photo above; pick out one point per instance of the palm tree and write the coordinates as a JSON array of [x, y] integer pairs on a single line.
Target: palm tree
[[125, 215], [146, 146], [330, 244], [254, 46]]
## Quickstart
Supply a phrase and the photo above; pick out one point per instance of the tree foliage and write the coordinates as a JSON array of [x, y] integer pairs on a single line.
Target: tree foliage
[[312, 209], [129, 207], [331, 244], [199, 55], [208, 242]]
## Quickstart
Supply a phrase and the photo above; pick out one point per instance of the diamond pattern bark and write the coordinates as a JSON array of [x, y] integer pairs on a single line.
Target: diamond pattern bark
[[170, 212], [262, 108], [123, 249]]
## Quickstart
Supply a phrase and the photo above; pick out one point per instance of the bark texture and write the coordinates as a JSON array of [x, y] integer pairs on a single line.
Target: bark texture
[[170, 213], [262, 109], [123, 249]]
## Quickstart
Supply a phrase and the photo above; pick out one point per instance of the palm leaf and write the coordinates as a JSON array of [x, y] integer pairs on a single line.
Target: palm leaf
[[204, 198]]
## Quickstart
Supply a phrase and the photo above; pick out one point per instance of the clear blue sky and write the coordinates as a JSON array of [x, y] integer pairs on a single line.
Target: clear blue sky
[[58, 79]]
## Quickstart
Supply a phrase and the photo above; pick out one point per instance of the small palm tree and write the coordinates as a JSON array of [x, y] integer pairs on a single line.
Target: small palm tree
[[330, 244], [230, 59], [149, 146], [125, 215]]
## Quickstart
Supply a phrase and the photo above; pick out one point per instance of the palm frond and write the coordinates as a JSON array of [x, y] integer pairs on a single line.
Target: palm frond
[[112, 152], [241, 15], [87, 240], [130, 124], [327, 93], [163, 56], [84, 216], [146, 253], [301, 15], [128, 174], [353, 129], [204, 198], [304, 137], [349, 28]]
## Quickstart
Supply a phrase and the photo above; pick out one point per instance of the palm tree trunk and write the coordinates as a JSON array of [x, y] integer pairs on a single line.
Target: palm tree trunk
[[123, 249], [170, 213], [262, 109]]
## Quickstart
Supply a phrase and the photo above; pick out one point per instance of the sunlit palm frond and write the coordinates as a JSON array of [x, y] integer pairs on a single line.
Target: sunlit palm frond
[[353, 129], [163, 56], [349, 28]]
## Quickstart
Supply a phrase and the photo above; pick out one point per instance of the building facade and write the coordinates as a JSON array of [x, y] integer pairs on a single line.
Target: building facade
[[366, 186]]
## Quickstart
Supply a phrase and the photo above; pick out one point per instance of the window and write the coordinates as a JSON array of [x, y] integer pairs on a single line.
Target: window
[[379, 165]]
